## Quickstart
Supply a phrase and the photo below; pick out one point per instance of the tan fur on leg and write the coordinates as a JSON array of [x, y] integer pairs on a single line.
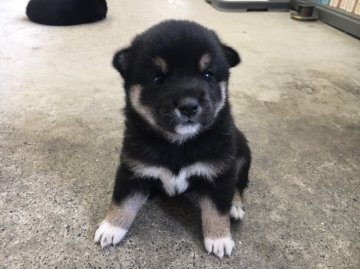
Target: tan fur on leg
[[237, 211], [124, 214], [118, 220], [216, 229], [214, 224], [237, 198]]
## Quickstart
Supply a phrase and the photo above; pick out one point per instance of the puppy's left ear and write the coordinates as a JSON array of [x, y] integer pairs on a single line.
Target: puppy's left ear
[[121, 61], [232, 57]]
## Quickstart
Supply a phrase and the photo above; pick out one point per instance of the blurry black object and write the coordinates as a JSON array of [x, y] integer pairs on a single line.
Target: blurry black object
[[66, 12], [305, 12]]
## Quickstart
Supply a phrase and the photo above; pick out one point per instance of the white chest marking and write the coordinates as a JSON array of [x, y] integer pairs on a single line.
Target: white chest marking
[[172, 183]]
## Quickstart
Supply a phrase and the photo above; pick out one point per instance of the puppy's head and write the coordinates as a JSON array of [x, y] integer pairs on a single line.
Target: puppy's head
[[176, 77]]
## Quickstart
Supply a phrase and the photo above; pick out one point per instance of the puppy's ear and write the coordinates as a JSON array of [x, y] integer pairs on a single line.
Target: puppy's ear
[[231, 55], [121, 61]]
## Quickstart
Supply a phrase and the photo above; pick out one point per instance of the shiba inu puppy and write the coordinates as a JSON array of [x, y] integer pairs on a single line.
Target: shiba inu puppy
[[180, 135]]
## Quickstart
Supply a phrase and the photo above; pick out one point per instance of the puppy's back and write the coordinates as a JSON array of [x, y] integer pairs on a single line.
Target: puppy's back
[[66, 12]]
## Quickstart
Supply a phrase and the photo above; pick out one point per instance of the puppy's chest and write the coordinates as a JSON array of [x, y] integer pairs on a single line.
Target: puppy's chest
[[175, 183]]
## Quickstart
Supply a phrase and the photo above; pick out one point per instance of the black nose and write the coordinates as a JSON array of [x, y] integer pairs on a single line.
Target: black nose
[[188, 106]]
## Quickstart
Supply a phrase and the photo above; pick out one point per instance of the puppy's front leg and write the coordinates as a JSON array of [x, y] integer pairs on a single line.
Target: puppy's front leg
[[128, 198], [216, 229], [118, 220]]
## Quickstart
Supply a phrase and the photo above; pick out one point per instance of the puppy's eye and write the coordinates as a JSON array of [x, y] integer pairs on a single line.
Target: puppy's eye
[[158, 79], [208, 76]]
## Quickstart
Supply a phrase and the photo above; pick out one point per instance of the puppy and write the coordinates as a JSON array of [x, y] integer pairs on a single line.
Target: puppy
[[179, 134], [66, 12]]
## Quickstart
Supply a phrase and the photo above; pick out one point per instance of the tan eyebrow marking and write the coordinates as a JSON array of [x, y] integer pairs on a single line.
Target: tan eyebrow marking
[[204, 61], [160, 62]]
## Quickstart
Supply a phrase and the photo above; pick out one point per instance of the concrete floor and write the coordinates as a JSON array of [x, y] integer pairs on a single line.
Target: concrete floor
[[296, 96]]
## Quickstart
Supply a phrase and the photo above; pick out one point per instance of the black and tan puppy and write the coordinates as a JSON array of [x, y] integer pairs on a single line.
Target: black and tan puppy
[[180, 134]]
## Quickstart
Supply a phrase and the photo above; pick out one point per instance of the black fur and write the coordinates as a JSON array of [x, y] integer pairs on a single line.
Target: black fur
[[181, 44], [66, 12]]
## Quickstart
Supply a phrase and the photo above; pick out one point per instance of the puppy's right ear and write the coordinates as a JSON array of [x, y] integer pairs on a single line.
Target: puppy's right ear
[[232, 57], [121, 61]]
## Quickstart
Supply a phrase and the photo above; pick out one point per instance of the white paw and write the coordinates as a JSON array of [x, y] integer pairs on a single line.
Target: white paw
[[219, 246], [236, 212], [108, 234]]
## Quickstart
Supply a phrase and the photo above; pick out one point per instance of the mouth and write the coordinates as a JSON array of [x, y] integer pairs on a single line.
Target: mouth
[[188, 128]]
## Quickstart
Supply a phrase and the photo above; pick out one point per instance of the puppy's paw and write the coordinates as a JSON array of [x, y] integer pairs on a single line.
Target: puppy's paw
[[237, 212], [108, 234], [219, 246]]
